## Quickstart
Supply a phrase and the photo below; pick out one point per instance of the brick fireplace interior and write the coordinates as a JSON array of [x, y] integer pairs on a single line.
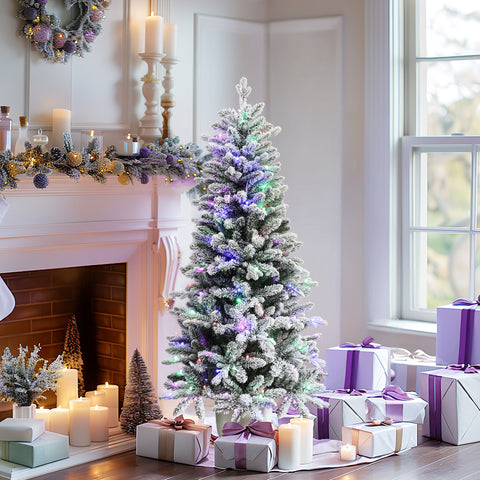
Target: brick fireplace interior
[[46, 300]]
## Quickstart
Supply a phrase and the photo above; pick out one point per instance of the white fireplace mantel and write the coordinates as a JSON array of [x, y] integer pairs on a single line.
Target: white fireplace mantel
[[86, 223]]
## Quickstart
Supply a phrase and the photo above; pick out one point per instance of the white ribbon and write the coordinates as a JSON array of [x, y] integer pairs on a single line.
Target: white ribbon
[[404, 354]]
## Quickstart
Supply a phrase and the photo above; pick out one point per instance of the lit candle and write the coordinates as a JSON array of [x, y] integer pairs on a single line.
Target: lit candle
[[348, 453], [288, 446], [80, 422], [45, 414], [98, 424], [67, 386], [111, 401], [170, 39], [154, 34], [59, 418], [96, 397], [306, 438], [61, 122]]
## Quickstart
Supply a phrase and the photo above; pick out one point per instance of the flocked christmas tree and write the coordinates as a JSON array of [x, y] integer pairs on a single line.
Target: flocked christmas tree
[[140, 403], [242, 317], [72, 352]]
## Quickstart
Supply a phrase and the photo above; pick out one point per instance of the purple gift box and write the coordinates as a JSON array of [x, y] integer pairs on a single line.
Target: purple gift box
[[458, 333], [365, 366], [452, 414]]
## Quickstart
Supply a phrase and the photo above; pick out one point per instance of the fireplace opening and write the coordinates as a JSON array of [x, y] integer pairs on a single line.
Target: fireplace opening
[[47, 299]]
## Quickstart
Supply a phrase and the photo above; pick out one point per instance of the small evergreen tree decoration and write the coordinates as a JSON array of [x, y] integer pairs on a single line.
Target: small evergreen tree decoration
[[241, 341], [140, 403], [72, 352], [23, 380]]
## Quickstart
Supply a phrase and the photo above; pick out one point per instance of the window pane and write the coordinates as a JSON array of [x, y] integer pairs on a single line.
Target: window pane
[[448, 27], [440, 268], [441, 189], [449, 97]]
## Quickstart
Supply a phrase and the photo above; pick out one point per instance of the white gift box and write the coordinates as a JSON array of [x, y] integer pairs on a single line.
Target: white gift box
[[261, 453], [372, 370], [21, 429], [453, 410], [344, 409], [407, 373], [412, 410], [379, 440]]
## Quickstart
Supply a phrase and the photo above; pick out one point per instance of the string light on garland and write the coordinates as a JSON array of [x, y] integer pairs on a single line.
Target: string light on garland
[[57, 43]]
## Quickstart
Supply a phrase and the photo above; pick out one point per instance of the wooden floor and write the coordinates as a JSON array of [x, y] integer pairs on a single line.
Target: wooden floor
[[431, 460]]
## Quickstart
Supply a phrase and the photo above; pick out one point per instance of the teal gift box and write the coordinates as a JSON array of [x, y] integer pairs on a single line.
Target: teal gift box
[[47, 448]]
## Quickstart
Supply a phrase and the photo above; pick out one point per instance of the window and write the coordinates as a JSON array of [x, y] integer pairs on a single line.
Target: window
[[441, 251]]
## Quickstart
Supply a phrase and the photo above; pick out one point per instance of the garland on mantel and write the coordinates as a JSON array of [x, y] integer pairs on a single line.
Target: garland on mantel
[[170, 159]]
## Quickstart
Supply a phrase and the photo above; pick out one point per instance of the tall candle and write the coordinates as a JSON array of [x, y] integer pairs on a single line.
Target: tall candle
[[288, 446], [306, 438], [45, 414], [170, 39], [67, 387], [61, 122], [111, 401], [59, 418], [80, 422], [154, 34], [98, 423], [96, 397]]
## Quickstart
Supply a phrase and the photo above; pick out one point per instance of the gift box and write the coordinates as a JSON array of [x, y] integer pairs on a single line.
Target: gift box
[[345, 408], [378, 439], [365, 366], [21, 429], [458, 333], [179, 440], [291, 413], [253, 447], [453, 411], [47, 448], [393, 403]]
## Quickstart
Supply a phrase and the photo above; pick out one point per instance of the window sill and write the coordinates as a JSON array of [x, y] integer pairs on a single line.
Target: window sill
[[396, 325]]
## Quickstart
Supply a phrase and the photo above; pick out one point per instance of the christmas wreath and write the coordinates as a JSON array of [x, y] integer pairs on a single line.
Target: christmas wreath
[[55, 43]]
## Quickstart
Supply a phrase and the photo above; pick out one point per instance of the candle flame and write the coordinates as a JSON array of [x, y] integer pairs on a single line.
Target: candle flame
[[92, 133], [106, 384], [152, 13]]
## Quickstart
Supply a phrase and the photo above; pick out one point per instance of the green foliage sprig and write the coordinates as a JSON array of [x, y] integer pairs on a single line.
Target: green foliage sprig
[[23, 379]]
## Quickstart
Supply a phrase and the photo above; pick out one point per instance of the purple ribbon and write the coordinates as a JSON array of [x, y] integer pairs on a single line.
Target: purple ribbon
[[466, 329], [353, 392], [262, 429], [291, 411], [351, 369], [466, 368], [323, 420], [435, 406], [366, 343], [394, 392], [394, 396]]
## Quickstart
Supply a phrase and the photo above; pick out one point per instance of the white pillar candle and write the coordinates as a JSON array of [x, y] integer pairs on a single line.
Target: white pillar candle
[[67, 387], [80, 422], [306, 438], [96, 397], [348, 453], [59, 418], [111, 401], [98, 424], [154, 34], [170, 40], [288, 446], [61, 122], [45, 414]]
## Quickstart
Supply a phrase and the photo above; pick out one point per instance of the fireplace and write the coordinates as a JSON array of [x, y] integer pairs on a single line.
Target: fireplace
[[45, 302], [71, 227]]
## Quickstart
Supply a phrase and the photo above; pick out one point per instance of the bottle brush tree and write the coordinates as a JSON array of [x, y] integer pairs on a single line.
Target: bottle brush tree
[[72, 352]]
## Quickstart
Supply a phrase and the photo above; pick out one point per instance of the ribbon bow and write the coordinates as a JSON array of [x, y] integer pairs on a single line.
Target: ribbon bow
[[462, 301], [262, 429], [404, 354], [366, 343], [394, 392], [465, 367], [178, 423], [379, 423], [351, 391]]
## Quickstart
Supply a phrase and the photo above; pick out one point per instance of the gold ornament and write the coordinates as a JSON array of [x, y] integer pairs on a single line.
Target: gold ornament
[[124, 178], [74, 159]]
